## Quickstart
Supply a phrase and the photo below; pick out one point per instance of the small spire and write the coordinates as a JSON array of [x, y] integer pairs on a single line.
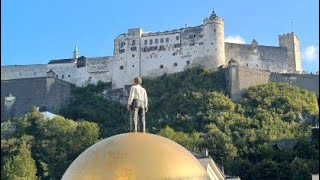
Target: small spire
[[213, 14], [75, 53], [75, 48]]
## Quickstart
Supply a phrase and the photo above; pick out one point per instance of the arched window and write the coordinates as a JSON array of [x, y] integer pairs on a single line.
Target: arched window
[[161, 48]]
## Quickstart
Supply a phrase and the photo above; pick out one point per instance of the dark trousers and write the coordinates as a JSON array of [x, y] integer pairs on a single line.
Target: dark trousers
[[135, 114]]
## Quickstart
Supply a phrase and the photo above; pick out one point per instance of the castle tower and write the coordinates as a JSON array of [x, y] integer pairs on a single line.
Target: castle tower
[[213, 27], [75, 54], [291, 42], [127, 57]]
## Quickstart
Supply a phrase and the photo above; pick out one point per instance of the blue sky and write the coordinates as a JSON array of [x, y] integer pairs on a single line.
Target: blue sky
[[36, 31]]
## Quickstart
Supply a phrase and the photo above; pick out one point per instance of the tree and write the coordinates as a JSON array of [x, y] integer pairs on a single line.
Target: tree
[[20, 167], [189, 141], [63, 141]]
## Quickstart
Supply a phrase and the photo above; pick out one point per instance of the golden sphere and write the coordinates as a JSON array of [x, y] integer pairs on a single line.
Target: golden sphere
[[136, 156]]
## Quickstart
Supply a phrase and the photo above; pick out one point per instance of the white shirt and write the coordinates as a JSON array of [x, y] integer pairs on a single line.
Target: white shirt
[[139, 93]]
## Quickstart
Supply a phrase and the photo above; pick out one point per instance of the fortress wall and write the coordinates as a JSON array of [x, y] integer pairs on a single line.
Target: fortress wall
[[158, 62], [269, 58], [193, 48], [99, 69], [252, 77], [305, 81], [33, 91], [123, 72], [23, 71], [69, 72], [66, 71], [241, 78]]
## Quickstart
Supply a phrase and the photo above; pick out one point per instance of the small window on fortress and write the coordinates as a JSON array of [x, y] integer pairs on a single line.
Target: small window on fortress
[[145, 49], [20, 74], [133, 42], [191, 36], [150, 41], [200, 43], [34, 73], [161, 48], [153, 48], [69, 76], [161, 40], [176, 45], [133, 55], [167, 39], [156, 41], [177, 38], [173, 54], [121, 67], [200, 36], [192, 44], [175, 64], [133, 48], [121, 51], [145, 42], [62, 76], [188, 62], [161, 66]]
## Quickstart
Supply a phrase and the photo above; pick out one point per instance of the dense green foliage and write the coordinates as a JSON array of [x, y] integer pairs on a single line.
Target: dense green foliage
[[88, 104], [20, 166], [265, 136], [54, 144]]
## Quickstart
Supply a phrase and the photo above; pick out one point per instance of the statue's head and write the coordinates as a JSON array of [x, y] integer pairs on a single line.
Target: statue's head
[[137, 80]]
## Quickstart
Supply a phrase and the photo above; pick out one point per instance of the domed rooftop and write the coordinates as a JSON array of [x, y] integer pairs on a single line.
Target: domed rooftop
[[135, 156]]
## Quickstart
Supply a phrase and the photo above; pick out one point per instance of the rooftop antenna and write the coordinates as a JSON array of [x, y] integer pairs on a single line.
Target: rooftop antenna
[[291, 25]]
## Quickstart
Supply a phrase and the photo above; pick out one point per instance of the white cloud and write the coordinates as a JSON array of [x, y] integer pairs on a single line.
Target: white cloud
[[235, 39], [311, 53]]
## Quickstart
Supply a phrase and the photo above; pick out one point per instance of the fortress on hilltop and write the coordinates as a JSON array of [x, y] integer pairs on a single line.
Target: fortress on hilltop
[[154, 54]]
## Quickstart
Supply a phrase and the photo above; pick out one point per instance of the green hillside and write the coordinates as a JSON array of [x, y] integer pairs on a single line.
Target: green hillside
[[265, 136]]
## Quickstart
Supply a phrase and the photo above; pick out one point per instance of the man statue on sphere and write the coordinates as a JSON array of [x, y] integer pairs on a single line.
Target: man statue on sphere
[[137, 105]]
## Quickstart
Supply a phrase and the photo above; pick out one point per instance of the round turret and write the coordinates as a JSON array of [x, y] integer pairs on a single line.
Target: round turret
[[214, 35]]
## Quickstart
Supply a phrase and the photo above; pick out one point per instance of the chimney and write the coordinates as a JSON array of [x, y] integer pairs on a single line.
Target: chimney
[[205, 152]]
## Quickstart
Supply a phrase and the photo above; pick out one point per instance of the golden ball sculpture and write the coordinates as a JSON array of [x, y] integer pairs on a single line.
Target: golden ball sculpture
[[136, 156]]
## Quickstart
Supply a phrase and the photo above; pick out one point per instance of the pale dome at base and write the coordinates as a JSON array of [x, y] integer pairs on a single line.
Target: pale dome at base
[[136, 156]]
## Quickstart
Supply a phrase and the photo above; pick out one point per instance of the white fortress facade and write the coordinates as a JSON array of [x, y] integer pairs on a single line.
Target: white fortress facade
[[153, 54]]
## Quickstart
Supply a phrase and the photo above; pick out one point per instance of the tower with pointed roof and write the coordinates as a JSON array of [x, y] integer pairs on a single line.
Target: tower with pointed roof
[[213, 27], [75, 54]]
